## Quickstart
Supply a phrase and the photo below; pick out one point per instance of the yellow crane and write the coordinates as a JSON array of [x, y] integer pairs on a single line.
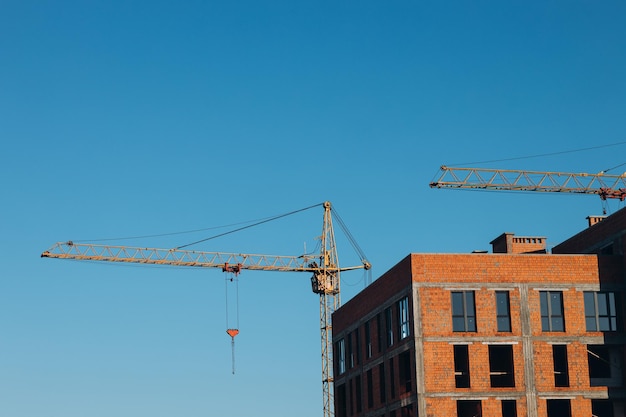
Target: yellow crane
[[324, 267], [601, 184]]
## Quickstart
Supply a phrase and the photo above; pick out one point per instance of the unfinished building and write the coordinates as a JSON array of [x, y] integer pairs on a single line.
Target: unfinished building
[[517, 332]]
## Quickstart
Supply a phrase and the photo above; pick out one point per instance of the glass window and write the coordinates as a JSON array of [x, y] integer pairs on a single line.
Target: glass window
[[551, 311], [341, 356], [600, 311], [463, 311], [389, 326], [403, 318], [368, 339], [503, 311]]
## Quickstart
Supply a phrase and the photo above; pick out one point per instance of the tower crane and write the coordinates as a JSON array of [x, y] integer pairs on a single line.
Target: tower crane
[[601, 184], [324, 267]]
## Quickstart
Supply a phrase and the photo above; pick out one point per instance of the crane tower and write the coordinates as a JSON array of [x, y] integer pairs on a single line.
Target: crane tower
[[324, 267]]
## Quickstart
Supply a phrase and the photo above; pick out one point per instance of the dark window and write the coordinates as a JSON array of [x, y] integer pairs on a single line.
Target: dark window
[[407, 411], [463, 311], [551, 311], [404, 364], [559, 357], [349, 352], [389, 326], [602, 408], [503, 311], [461, 366], [559, 408], [351, 398], [370, 389], [359, 395], [501, 372], [599, 361], [340, 356], [509, 408], [392, 379], [469, 408], [368, 339], [357, 345], [608, 250], [379, 332], [340, 401], [403, 318], [381, 383], [600, 311]]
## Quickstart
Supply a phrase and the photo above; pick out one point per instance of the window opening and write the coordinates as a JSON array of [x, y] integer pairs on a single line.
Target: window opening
[[501, 372], [602, 408], [469, 408], [461, 366], [370, 389], [403, 318], [600, 311], [357, 346], [351, 399], [404, 364], [381, 383], [341, 356], [379, 332], [599, 357], [559, 358], [340, 401], [392, 379], [551, 303], [368, 339], [349, 351], [389, 326], [359, 394], [407, 411], [503, 311], [559, 408], [463, 311], [509, 408]]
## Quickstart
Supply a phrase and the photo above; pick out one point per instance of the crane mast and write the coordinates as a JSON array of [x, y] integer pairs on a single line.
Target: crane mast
[[324, 266], [601, 184]]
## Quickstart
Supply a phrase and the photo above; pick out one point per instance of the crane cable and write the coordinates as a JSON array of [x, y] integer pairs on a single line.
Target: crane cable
[[231, 330], [249, 226], [355, 246]]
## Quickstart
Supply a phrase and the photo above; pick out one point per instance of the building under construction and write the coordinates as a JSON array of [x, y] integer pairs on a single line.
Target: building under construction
[[517, 332]]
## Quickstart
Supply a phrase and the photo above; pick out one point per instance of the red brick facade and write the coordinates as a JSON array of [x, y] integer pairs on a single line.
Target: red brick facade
[[554, 351]]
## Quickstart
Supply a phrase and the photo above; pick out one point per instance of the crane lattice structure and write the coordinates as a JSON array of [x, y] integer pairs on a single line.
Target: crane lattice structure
[[324, 266], [603, 185]]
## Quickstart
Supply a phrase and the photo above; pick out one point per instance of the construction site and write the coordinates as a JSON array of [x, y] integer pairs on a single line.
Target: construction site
[[519, 331]]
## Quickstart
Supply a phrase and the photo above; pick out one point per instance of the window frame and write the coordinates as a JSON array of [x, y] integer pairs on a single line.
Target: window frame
[[594, 320], [341, 356], [551, 320], [503, 317], [404, 328], [464, 313]]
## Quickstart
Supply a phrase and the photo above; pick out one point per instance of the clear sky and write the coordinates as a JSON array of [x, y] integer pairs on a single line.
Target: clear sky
[[134, 118]]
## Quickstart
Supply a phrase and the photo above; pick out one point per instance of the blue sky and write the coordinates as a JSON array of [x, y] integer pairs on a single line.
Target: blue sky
[[134, 118]]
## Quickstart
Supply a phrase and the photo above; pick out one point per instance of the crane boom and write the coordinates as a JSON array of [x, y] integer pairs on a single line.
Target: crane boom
[[178, 257], [324, 266], [605, 186]]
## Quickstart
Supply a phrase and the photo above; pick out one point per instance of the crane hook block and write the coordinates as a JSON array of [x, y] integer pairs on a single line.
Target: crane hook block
[[232, 332], [235, 269]]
